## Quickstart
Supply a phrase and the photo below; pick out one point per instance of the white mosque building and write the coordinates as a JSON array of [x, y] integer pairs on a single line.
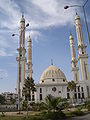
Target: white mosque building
[[53, 80]]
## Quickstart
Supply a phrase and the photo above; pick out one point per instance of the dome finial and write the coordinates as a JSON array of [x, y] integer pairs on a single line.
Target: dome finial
[[51, 61], [76, 11], [22, 14]]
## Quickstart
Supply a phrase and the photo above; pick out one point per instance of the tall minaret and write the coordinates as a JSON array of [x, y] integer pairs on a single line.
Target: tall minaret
[[29, 57], [82, 57], [21, 57], [73, 60]]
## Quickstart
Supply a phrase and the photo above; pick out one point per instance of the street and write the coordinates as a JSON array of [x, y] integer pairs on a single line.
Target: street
[[86, 117]]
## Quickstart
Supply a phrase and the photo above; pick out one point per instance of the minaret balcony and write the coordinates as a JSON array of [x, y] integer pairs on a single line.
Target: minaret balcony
[[21, 59], [20, 49], [23, 49], [82, 56], [17, 58], [75, 69]]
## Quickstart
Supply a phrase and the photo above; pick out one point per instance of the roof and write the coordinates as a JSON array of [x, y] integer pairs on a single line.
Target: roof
[[52, 72]]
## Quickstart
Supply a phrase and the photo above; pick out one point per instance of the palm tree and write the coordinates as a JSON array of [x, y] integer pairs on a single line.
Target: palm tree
[[52, 103], [71, 87], [29, 87]]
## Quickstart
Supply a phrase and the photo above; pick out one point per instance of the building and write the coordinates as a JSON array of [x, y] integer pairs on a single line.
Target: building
[[9, 97], [53, 80]]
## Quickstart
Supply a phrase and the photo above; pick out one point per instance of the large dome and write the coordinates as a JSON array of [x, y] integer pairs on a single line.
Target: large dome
[[52, 74]]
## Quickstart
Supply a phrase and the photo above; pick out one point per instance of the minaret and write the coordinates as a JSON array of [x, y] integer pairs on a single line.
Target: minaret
[[29, 57], [73, 60], [21, 57], [82, 57]]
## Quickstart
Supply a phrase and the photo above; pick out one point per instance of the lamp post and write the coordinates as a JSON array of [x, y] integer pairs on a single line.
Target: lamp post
[[20, 65], [66, 7]]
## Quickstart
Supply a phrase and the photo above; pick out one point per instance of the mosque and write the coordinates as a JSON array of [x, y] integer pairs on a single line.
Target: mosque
[[53, 80]]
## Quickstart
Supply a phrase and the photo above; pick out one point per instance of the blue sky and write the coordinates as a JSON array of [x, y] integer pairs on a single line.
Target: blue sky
[[50, 27]]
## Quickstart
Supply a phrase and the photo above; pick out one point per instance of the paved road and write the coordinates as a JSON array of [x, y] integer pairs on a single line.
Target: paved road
[[85, 117]]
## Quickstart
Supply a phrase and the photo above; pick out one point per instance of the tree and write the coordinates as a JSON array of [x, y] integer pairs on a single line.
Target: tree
[[71, 87], [29, 87], [54, 106], [52, 103], [87, 104], [2, 99], [39, 106]]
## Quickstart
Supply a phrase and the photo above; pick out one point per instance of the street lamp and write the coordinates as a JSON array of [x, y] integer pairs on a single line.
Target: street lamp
[[66, 7], [20, 66], [15, 34]]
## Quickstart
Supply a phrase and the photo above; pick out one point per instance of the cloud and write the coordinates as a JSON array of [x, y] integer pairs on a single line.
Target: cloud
[[41, 14], [48, 13], [9, 14], [3, 42], [3, 73], [38, 12], [5, 53], [35, 35], [7, 46]]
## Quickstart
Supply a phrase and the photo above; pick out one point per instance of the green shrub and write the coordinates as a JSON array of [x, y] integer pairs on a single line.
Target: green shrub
[[38, 106], [53, 115], [77, 112], [24, 105], [88, 105], [33, 118], [46, 116], [3, 114], [25, 118]]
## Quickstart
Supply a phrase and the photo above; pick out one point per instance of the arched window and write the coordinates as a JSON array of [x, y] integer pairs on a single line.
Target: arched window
[[40, 96], [85, 70], [82, 95], [68, 96], [75, 95], [40, 90], [79, 96], [82, 89]]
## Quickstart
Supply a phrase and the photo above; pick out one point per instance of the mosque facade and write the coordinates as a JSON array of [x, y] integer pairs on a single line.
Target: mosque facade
[[53, 81]]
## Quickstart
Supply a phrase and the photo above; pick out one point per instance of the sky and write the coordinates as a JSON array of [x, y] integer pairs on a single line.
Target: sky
[[50, 27]]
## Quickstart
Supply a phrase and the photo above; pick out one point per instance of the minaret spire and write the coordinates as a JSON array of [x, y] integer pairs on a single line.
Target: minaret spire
[[73, 60], [79, 31], [29, 57]]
